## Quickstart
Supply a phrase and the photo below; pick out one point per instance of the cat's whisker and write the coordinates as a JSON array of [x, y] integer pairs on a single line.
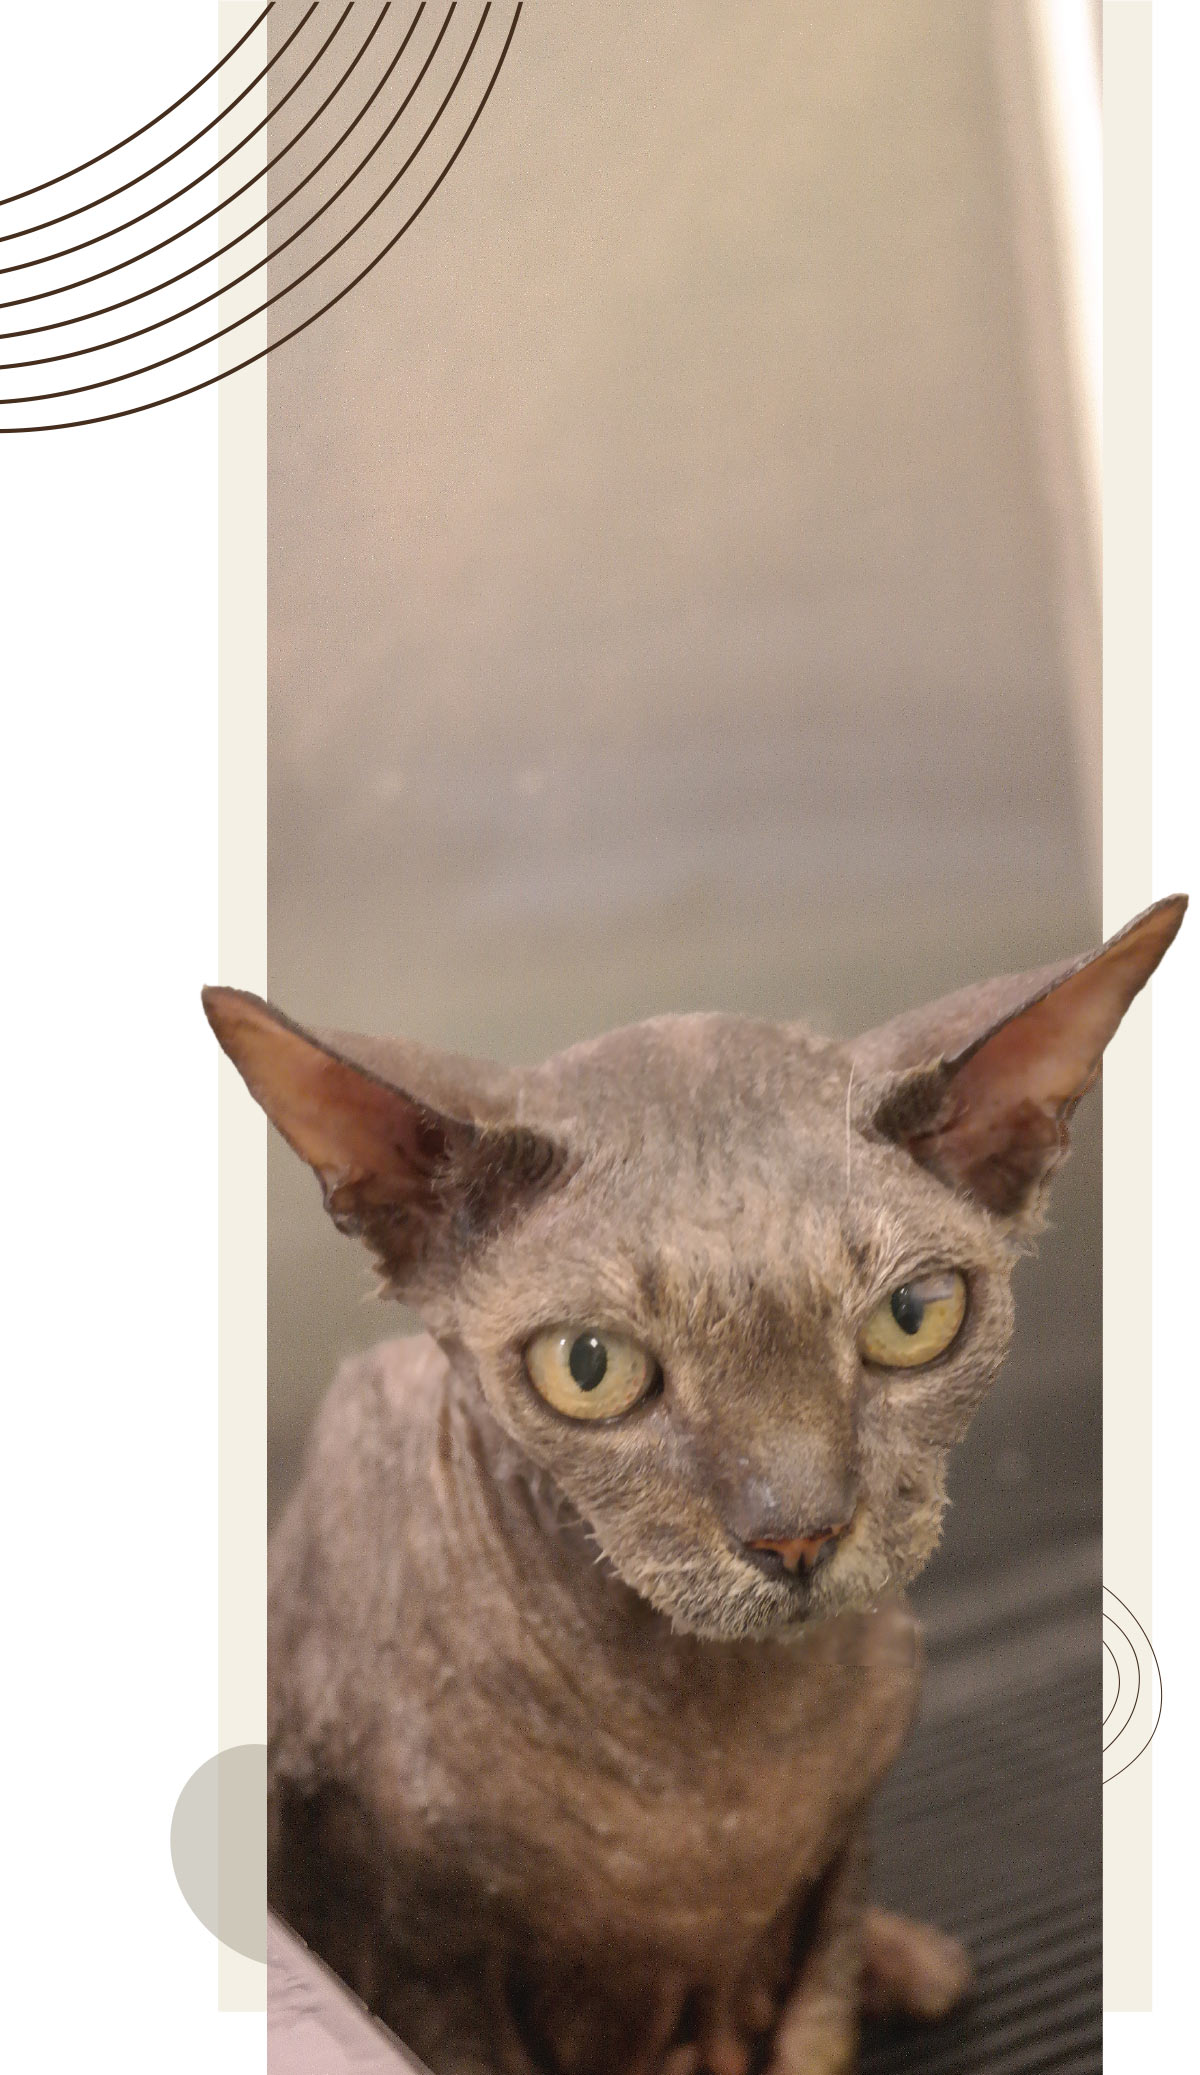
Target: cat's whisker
[[849, 1087]]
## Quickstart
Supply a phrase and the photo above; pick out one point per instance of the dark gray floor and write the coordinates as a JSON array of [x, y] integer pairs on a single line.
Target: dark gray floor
[[990, 1824]]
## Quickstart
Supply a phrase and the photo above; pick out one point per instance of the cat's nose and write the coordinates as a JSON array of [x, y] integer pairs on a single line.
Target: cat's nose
[[800, 1551], [788, 1517]]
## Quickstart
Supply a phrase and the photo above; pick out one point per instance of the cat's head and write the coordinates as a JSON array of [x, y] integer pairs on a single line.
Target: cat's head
[[735, 1288]]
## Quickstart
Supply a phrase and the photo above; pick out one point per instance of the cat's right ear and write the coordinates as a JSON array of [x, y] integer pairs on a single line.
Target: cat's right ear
[[980, 1086], [418, 1177]]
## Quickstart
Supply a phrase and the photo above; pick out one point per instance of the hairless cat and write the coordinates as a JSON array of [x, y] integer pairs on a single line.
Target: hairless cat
[[588, 1645]]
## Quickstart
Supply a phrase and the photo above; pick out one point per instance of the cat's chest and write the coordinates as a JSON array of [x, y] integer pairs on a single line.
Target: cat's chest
[[693, 1802]]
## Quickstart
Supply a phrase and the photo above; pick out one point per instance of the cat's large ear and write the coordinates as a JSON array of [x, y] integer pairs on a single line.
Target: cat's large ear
[[417, 1152], [979, 1086]]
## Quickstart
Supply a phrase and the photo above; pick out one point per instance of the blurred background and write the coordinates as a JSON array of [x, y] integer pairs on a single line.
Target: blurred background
[[684, 593]]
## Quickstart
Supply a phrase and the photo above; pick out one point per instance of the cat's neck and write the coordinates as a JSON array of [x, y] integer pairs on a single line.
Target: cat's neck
[[457, 1561], [530, 1529]]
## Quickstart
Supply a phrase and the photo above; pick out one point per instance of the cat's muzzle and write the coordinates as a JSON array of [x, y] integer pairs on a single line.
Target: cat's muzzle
[[795, 1556]]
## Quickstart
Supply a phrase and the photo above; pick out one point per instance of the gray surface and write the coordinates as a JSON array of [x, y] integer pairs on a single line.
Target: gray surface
[[990, 1824]]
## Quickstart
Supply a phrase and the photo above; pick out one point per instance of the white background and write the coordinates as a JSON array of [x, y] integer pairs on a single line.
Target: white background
[[108, 842]]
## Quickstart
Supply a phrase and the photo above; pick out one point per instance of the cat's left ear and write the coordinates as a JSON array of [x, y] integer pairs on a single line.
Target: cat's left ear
[[980, 1085], [418, 1153]]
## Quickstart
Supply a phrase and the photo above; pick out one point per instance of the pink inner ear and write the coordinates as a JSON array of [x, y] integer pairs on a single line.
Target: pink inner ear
[[356, 1130], [1004, 1126], [348, 1126], [1048, 1055]]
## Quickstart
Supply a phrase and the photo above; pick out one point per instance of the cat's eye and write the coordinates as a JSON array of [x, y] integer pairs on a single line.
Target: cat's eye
[[588, 1374], [916, 1323]]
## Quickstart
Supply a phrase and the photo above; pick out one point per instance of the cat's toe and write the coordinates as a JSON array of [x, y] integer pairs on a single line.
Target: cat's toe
[[911, 1969]]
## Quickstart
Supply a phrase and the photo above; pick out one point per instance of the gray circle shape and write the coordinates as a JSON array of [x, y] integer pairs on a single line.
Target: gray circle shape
[[219, 1847]]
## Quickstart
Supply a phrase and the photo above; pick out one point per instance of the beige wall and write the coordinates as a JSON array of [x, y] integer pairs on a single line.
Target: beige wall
[[676, 589]]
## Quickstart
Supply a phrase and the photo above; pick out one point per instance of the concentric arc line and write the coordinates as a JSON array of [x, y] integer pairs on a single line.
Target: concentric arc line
[[210, 381], [135, 259], [151, 366], [157, 287], [133, 136], [1138, 1665], [1108, 1649], [64, 252], [97, 201]]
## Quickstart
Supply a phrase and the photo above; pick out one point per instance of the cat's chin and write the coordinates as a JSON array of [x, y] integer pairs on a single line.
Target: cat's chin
[[709, 1590], [715, 1594], [742, 1607]]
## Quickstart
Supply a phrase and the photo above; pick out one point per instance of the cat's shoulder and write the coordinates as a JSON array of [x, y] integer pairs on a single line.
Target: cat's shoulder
[[394, 1387], [374, 1434]]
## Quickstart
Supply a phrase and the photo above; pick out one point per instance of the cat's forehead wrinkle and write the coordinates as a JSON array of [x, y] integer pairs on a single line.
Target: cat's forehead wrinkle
[[761, 1314], [716, 1281], [896, 1219], [762, 1251], [704, 1076], [797, 1269]]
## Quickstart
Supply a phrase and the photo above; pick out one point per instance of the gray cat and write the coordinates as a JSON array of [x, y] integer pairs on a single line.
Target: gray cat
[[587, 1642]]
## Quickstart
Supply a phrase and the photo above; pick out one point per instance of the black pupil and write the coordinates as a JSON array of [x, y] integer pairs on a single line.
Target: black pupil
[[907, 1309], [588, 1361]]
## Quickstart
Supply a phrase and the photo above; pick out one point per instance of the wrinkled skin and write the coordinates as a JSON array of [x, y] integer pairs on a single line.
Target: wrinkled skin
[[529, 1761], [568, 1775]]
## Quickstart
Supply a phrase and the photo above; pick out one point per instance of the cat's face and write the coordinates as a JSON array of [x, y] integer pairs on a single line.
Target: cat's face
[[737, 1290], [685, 1331]]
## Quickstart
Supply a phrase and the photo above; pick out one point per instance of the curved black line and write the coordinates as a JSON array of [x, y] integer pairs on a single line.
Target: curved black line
[[194, 388], [1158, 1668], [1117, 1695], [1127, 1717], [157, 287], [133, 136], [224, 288], [135, 259], [31, 229], [149, 368], [1137, 1691], [22, 266]]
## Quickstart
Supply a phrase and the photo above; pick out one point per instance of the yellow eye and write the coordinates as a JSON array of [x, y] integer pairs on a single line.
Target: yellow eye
[[916, 1323], [589, 1375]]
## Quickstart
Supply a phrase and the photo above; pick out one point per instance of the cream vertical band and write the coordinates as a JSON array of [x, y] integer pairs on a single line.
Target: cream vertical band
[[242, 962]]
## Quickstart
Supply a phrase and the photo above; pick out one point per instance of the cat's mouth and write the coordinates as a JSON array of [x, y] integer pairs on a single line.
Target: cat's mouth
[[796, 1578]]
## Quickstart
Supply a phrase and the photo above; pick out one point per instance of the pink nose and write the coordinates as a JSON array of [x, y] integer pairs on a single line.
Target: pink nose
[[800, 1549]]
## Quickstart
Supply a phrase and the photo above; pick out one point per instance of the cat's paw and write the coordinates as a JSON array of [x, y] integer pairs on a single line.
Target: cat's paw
[[725, 2043], [829, 2049], [911, 1970]]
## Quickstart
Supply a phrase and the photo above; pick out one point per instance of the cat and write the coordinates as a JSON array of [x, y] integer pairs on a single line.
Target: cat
[[588, 1645]]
